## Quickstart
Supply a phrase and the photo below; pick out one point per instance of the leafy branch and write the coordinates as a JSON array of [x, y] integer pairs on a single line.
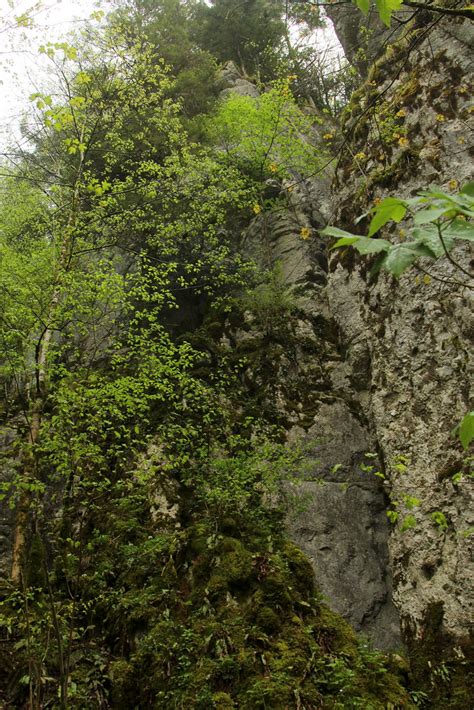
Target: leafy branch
[[386, 8], [439, 222]]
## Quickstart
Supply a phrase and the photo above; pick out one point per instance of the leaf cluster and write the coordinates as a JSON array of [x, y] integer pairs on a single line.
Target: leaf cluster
[[438, 222], [265, 137]]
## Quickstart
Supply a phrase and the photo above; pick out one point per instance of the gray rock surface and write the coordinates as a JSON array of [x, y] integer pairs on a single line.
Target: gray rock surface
[[408, 342], [337, 512], [363, 38], [233, 82], [343, 527], [389, 365]]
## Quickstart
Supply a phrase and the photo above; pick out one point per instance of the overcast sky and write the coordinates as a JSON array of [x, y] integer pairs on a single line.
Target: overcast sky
[[23, 70]]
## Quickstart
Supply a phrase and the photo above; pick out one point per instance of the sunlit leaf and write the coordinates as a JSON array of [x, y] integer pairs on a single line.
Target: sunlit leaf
[[401, 256], [389, 209], [466, 429], [385, 9], [363, 5]]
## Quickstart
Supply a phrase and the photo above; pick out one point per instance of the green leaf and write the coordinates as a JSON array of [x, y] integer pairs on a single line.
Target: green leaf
[[389, 209], [429, 237], [459, 229], [335, 232], [408, 523], [411, 502], [401, 256], [364, 245], [392, 515], [379, 263], [468, 189], [440, 519], [466, 429], [363, 5], [345, 241], [430, 215], [385, 8]]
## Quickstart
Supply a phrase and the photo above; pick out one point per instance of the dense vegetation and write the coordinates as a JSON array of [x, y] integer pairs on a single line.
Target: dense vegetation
[[150, 569]]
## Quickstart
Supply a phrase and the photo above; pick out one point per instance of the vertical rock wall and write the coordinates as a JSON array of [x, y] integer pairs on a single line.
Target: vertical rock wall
[[408, 342], [392, 358], [338, 511]]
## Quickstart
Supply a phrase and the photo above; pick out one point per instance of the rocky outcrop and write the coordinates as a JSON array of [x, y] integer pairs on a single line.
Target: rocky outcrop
[[342, 525], [367, 377], [381, 366], [407, 341], [337, 510], [232, 82], [363, 38]]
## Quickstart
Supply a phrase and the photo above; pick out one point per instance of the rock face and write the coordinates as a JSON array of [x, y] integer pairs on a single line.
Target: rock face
[[407, 341], [362, 38], [369, 377], [233, 82], [343, 526], [338, 509], [381, 366]]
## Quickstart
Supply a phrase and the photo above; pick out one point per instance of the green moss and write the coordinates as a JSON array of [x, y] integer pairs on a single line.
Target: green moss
[[440, 667], [409, 91], [299, 567], [268, 620], [222, 701], [247, 632], [277, 589], [234, 562], [229, 525], [122, 694]]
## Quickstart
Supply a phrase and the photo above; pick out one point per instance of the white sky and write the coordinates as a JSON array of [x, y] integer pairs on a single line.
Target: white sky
[[23, 70]]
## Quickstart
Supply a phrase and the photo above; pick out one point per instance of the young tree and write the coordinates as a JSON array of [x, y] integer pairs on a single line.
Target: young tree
[[112, 159]]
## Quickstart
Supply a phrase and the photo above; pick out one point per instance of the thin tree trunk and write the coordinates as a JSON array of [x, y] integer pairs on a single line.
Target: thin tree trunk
[[41, 365]]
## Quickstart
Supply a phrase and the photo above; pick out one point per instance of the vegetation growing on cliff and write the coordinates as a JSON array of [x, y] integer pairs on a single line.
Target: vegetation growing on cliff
[[150, 568]]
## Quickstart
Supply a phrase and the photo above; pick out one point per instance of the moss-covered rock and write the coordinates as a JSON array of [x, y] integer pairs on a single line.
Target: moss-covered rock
[[441, 668], [248, 632]]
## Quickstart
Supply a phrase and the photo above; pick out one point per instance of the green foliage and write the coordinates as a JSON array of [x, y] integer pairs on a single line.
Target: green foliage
[[154, 570], [265, 137], [440, 519], [249, 33], [169, 26], [465, 429], [439, 221], [25, 285], [270, 303], [385, 8]]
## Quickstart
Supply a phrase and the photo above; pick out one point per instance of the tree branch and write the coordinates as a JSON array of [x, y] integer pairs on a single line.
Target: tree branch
[[462, 12]]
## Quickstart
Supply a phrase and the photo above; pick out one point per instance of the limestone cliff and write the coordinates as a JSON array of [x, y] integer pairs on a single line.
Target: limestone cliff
[[299, 372], [383, 365], [407, 342], [367, 377]]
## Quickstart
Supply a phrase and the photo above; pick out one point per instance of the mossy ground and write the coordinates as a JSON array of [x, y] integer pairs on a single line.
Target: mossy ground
[[441, 668], [246, 630], [202, 612]]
